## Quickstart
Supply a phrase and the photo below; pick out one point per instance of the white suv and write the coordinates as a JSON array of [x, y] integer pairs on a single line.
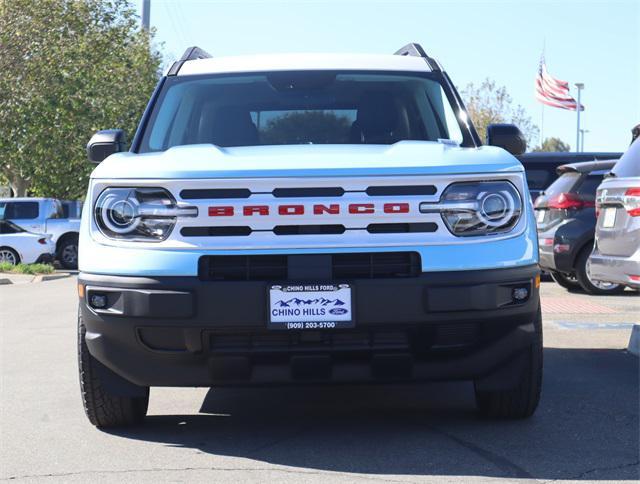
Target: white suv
[[307, 218]]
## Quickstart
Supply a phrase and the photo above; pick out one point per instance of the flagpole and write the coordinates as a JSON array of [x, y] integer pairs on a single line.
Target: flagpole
[[580, 87], [542, 127]]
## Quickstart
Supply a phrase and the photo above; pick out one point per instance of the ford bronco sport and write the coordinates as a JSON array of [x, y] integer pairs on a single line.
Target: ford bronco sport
[[307, 219]]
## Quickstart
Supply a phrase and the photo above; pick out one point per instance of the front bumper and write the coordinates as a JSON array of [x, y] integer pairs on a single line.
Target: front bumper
[[615, 269], [180, 331]]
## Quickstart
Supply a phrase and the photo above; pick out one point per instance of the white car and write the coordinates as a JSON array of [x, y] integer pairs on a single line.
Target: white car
[[17, 245]]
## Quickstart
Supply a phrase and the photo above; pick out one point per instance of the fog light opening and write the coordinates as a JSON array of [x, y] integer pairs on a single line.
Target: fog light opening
[[98, 301], [520, 293]]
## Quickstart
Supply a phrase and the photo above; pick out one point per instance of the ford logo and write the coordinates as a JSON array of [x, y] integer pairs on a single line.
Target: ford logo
[[338, 311]]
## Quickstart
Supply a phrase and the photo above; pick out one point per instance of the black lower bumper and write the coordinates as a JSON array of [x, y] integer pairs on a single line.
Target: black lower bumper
[[45, 258], [180, 331]]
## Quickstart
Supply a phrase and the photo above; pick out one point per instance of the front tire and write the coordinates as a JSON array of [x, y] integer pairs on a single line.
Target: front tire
[[68, 252], [565, 280], [521, 401], [102, 408]]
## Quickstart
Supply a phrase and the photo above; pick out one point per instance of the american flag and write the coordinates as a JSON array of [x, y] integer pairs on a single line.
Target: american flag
[[553, 92]]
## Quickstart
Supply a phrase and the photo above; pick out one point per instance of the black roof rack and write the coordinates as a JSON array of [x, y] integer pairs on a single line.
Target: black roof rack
[[417, 51], [192, 53]]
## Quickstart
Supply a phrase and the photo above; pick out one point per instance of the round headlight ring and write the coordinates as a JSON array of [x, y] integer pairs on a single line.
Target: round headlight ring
[[118, 211], [502, 210]]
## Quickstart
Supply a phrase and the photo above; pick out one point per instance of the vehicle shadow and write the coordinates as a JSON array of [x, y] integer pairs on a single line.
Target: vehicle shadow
[[585, 428]]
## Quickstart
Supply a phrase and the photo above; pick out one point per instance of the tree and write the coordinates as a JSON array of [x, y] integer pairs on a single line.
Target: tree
[[490, 104], [552, 144], [69, 68], [307, 127]]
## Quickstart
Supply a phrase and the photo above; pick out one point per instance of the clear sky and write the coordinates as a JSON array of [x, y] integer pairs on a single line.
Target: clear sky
[[594, 42]]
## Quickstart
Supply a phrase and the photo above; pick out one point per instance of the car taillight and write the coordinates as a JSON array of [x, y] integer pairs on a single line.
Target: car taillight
[[42, 241], [631, 202], [569, 201]]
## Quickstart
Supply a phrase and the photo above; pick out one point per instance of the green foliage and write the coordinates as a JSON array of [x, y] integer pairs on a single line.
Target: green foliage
[[490, 104], [69, 68], [31, 269], [552, 144], [319, 127]]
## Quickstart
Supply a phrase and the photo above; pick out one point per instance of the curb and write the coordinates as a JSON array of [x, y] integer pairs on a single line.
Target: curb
[[634, 341], [34, 279]]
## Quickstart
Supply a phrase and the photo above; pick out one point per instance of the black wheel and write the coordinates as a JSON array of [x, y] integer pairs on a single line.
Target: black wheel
[[521, 401], [568, 281], [68, 252], [588, 284], [7, 254], [102, 408]]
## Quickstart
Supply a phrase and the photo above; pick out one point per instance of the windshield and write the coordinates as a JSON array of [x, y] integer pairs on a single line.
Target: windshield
[[304, 107], [7, 227]]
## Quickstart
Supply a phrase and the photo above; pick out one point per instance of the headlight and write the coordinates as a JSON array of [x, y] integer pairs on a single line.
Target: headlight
[[145, 214], [478, 208]]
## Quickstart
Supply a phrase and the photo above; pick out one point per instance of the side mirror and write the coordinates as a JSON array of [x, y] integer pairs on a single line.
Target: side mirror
[[508, 137], [105, 143]]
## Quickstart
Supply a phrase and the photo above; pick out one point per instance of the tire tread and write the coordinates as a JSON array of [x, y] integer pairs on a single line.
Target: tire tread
[[103, 409], [521, 401]]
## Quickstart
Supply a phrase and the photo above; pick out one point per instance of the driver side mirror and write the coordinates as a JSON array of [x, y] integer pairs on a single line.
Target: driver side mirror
[[105, 143], [508, 137]]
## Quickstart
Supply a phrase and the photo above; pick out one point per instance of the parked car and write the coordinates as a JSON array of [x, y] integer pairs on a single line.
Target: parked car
[[221, 251], [45, 216], [566, 219], [540, 167], [616, 253], [17, 245]]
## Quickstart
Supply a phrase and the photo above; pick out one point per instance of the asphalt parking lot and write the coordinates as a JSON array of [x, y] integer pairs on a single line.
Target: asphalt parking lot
[[586, 428]]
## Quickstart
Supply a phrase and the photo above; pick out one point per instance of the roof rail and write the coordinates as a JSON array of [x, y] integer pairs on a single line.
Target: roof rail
[[416, 50], [192, 53]]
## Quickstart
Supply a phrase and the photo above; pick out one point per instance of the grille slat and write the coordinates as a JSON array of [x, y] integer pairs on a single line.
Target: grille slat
[[368, 265]]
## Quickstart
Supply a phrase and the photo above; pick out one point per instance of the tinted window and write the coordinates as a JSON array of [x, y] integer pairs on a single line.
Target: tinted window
[[71, 209], [539, 179], [564, 184], [589, 185], [308, 107], [19, 210], [629, 164], [7, 227]]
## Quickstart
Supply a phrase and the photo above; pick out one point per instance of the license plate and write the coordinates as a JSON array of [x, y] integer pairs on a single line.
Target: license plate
[[540, 217], [310, 306], [609, 217]]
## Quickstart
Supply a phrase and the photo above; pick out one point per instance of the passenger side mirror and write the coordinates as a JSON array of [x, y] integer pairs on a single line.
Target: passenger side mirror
[[508, 137], [105, 143]]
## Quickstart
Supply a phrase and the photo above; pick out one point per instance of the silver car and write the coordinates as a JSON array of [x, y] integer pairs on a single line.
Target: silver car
[[616, 252]]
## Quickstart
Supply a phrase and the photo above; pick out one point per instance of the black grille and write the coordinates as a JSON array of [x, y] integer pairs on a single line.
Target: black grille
[[308, 229], [401, 228], [206, 193], [221, 231], [384, 191], [368, 265], [243, 267], [374, 265], [308, 192]]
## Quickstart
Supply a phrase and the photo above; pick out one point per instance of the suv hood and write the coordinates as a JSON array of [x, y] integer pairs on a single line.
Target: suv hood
[[402, 158]]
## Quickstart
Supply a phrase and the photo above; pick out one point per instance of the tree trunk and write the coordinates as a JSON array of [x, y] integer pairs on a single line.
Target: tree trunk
[[19, 186]]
